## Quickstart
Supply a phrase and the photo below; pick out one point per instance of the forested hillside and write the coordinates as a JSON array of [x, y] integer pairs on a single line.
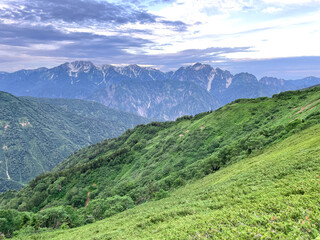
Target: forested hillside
[[118, 120], [272, 195], [35, 136], [250, 149], [151, 161]]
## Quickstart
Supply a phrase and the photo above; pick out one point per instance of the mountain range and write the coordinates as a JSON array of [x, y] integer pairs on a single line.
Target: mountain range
[[36, 134], [144, 90]]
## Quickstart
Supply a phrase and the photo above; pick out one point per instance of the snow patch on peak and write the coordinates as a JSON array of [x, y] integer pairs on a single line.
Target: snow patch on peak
[[132, 71], [103, 79], [73, 70], [211, 77], [199, 66], [134, 66], [228, 82], [76, 67], [142, 111], [105, 67], [135, 69], [151, 76]]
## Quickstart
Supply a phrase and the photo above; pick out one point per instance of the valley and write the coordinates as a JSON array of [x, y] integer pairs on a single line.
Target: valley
[[37, 134]]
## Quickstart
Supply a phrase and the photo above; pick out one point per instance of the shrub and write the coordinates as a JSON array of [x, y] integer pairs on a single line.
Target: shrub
[[161, 194]]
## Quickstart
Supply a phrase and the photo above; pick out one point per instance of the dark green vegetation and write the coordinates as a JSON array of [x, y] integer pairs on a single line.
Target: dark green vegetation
[[35, 136], [89, 109], [261, 156], [273, 195]]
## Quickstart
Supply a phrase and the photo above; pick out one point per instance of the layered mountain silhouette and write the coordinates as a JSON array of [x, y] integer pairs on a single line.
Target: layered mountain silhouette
[[144, 90]]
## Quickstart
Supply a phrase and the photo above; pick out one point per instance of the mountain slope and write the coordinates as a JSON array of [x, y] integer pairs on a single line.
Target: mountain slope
[[213, 80], [147, 91], [170, 154], [244, 85], [165, 99], [36, 136], [226, 88], [151, 161], [90, 109], [272, 195]]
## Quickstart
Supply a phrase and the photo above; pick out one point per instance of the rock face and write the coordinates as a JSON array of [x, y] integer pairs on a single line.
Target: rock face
[[165, 99], [146, 91]]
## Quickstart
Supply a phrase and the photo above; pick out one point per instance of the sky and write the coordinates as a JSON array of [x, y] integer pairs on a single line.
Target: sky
[[278, 38]]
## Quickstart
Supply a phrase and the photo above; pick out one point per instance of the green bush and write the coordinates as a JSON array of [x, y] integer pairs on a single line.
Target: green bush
[[161, 194], [101, 208]]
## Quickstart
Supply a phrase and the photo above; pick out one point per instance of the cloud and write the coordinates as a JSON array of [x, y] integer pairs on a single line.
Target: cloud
[[291, 2], [177, 25], [82, 12], [286, 68], [214, 7], [166, 33], [109, 50], [49, 41], [112, 52], [20, 35], [75, 11], [272, 10], [173, 60], [70, 29]]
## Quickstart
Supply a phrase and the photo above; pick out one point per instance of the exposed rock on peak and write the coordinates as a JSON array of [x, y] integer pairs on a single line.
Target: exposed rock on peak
[[145, 90]]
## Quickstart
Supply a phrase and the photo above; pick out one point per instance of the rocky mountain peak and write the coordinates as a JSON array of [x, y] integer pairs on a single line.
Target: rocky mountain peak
[[245, 77], [200, 66], [80, 65]]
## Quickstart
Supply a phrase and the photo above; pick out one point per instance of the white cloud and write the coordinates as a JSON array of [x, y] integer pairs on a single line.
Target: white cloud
[[291, 2], [226, 24], [272, 10]]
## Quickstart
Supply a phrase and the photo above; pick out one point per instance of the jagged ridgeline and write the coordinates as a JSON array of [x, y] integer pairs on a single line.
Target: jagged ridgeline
[[151, 161], [146, 91], [37, 134]]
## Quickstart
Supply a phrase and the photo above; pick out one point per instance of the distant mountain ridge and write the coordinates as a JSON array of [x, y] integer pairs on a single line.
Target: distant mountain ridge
[[36, 134], [147, 91]]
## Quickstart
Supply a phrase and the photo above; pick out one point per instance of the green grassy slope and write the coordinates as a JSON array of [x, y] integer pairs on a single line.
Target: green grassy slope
[[151, 161], [274, 195], [170, 154], [36, 136]]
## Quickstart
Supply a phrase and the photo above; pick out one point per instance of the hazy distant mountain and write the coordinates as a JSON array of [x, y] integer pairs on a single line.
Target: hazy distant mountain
[[146, 91], [35, 136], [213, 80], [166, 99]]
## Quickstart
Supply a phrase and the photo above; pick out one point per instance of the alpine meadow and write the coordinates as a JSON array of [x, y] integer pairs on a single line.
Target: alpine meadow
[[169, 119]]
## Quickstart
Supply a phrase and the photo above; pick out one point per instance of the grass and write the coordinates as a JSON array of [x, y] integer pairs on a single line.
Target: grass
[[273, 195]]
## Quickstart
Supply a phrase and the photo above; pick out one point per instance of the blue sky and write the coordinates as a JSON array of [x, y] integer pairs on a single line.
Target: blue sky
[[268, 37]]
